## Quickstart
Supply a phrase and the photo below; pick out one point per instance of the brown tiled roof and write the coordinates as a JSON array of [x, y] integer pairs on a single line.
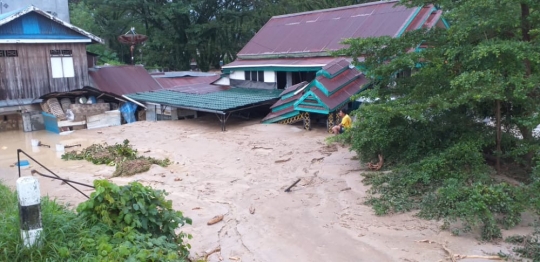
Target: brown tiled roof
[[319, 31], [294, 88], [278, 114], [123, 80], [343, 95], [336, 66], [340, 80], [284, 101]]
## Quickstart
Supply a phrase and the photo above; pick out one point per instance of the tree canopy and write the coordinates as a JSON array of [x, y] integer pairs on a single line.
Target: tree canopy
[[463, 122], [181, 30]]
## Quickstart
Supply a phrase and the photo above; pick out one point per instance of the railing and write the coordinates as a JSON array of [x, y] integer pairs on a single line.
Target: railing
[[67, 181]]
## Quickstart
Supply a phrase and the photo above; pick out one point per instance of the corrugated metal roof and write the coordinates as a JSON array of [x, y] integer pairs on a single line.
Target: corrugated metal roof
[[223, 101], [11, 16], [181, 74], [123, 80], [19, 102], [283, 62], [171, 82], [319, 31], [199, 89]]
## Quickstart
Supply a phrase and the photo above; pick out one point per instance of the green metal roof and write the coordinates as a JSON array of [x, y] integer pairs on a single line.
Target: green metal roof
[[221, 101]]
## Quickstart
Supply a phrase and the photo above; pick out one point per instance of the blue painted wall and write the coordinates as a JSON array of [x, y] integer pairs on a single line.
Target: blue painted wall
[[36, 26]]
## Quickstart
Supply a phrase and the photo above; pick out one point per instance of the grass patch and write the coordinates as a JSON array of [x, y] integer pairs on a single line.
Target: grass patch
[[123, 156], [87, 236]]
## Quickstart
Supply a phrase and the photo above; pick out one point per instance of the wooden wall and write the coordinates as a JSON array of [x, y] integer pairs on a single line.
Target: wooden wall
[[30, 75]]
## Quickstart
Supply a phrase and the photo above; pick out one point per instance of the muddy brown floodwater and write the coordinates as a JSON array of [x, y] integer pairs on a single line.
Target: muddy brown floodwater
[[248, 167]]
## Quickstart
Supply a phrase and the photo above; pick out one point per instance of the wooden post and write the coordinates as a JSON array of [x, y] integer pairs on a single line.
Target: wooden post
[[29, 210]]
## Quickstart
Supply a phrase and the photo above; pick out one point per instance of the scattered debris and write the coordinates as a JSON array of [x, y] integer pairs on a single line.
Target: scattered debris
[[260, 147], [454, 257], [378, 166], [217, 249], [148, 151], [177, 179], [252, 210], [215, 219], [234, 258], [196, 208], [345, 189], [282, 160], [316, 160], [294, 184], [99, 132], [68, 146], [41, 144], [162, 175], [354, 158]]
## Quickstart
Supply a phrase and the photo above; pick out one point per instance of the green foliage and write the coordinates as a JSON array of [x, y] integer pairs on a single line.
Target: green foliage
[[429, 126], [135, 213], [123, 156], [527, 246], [68, 236], [179, 31]]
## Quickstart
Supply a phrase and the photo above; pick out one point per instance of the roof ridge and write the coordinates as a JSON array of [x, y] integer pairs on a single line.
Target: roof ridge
[[336, 8]]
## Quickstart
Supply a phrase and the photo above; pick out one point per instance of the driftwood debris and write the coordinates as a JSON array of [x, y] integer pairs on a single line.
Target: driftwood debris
[[282, 160], [294, 184], [41, 144], [260, 147], [217, 249], [215, 220], [378, 166], [454, 257], [196, 208], [252, 210], [345, 189]]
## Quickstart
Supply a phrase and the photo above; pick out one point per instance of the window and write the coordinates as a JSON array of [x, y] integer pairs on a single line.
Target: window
[[62, 63], [255, 76], [9, 53]]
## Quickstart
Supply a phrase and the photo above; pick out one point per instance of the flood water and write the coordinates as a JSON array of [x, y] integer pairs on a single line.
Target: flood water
[[11, 141]]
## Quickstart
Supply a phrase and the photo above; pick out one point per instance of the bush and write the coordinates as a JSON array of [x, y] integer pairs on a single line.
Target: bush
[[101, 231]]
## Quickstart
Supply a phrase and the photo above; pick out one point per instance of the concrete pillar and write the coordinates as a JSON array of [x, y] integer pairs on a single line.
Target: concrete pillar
[[174, 113], [29, 210]]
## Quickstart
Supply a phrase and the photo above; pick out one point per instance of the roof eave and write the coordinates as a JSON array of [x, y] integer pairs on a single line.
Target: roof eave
[[31, 8]]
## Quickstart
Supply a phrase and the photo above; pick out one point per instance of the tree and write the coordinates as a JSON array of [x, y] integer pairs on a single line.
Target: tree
[[484, 68]]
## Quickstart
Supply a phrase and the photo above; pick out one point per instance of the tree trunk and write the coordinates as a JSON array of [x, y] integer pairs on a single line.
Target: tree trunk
[[499, 134]]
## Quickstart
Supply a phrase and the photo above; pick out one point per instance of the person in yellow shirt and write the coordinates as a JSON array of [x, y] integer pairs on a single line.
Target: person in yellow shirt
[[346, 123]]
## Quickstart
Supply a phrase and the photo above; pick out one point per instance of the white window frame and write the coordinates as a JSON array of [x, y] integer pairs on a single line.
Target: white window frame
[[62, 64]]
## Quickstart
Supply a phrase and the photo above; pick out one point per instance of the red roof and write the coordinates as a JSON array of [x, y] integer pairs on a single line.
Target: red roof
[[278, 113], [340, 80], [284, 101], [283, 62], [294, 88], [169, 82], [319, 31], [341, 96], [199, 89], [123, 80]]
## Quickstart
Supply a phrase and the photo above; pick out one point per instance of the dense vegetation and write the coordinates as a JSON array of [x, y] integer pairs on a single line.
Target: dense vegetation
[[180, 30], [122, 156], [117, 223], [458, 136]]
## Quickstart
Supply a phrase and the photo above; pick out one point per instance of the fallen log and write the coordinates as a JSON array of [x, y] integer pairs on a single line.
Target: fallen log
[[215, 220], [294, 184]]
